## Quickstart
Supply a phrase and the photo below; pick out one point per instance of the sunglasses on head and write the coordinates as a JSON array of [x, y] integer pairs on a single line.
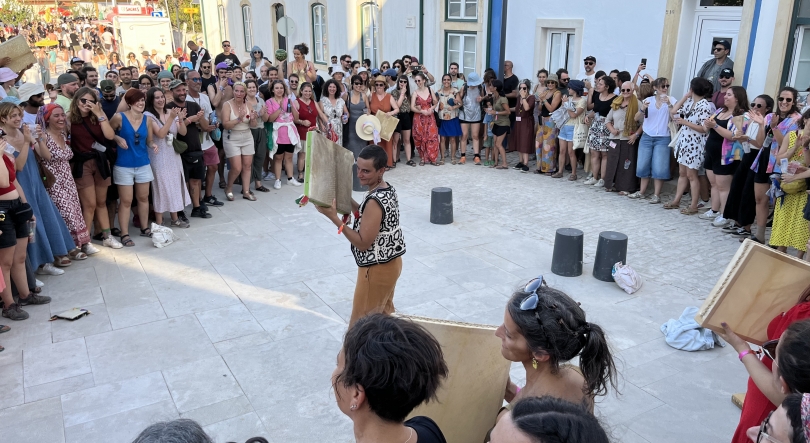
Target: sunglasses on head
[[85, 100], [757, 105], [530, 303], [785, 99]]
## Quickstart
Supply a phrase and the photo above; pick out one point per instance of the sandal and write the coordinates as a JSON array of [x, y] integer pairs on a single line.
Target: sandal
[[146, 232], [115, 231], [624, 193], [4, 328], [394, 166], [221, 185], [229, 196], [127, 241], [436, 163], [572, 178], [77, 254], [62, 262], [411, 163], [249, 197], [557, 175], [502, 167], [99, 236], [422, 163], [671, 205], [262, 189], [453, 162], [688, 211], [300, 178]]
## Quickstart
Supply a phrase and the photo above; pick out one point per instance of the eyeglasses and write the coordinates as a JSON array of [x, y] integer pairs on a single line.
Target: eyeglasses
[[589, 63], [530, 303], [785, 99], [719, 49], [627, 90], [757, 105], [85, 100], [196, 80], [762, 435]]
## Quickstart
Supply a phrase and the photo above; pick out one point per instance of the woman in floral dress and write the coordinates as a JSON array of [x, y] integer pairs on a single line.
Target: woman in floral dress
[[425, 132], [331, 110], [169, 191], [63, 192]]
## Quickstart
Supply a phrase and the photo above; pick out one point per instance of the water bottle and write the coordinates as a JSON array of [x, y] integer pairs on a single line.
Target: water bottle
[[768, 139], [627, 164]]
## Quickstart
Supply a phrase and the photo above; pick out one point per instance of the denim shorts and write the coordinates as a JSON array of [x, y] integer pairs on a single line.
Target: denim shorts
[[653, 157], [567, 133], [129, 176]]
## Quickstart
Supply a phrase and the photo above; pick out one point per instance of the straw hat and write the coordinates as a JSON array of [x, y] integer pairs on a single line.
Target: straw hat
[[366, 125]]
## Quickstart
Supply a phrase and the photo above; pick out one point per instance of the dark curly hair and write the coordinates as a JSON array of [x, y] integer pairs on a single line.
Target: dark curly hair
[[557, 327], [793, 357], [399, 364], [553, 420]]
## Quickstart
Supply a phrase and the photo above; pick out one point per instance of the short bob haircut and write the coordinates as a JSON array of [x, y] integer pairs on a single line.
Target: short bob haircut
[[134, 95], [376, 154], [701, 87], [398, 363], [550, 419]]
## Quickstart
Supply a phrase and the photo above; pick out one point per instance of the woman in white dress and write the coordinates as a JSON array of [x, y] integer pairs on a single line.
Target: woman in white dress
[[332, 110]]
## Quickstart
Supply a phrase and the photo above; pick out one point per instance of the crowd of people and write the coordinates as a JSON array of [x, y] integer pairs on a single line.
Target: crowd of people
[[115, 136]]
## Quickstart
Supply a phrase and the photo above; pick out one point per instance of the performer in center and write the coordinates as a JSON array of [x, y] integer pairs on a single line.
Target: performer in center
[[376, 237]]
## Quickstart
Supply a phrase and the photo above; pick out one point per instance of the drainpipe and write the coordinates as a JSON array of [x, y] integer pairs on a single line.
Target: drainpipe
[[421, 29]]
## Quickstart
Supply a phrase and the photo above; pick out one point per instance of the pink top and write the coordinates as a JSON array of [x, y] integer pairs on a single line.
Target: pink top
[[284, 117]]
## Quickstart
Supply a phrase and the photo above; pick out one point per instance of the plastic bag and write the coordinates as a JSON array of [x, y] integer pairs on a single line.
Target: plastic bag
[[162, 236], [626, 277]]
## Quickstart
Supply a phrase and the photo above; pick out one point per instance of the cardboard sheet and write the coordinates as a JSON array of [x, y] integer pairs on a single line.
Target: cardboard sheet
[[472, 394], [328, 173], [759, 284], [21, 55], [388, 125]]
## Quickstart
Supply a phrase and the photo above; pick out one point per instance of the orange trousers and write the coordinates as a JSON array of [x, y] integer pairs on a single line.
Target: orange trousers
[[374, 290]]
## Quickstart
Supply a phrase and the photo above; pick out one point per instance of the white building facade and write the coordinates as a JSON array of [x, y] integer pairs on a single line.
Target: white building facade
[[770, 38]]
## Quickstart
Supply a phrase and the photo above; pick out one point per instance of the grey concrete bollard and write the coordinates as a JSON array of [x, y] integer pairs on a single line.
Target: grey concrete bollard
[[567, 258], [611, 248], [356, 185], [441, 206]]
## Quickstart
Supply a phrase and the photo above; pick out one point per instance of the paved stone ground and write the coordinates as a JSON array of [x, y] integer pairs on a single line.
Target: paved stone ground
[[237, 325]]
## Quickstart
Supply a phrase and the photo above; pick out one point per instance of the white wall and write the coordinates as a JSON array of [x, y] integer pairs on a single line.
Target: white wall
[[618, 37], [761, 57]]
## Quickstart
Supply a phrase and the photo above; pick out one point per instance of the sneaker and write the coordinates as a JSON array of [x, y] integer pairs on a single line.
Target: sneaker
[[477, 161], [293, 181], [197, 212], [181, 215], [519, 165], [89, 249], [40, 284], [589, 181], [524, 169], [179, 223], [35, 299], [702, 204], [111, 242], [14, 312], [709, 215], [635, 195], [741, 232], [720, 221], [49, 269], [270, 176], [731, 228], [212, 201], [599, 184], [655, 199], [277, 184]]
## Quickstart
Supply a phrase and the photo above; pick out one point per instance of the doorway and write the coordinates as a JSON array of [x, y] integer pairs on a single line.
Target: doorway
[[709, 30], [278, 12]]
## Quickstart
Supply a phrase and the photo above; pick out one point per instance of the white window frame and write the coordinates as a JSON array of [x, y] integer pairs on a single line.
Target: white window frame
[[370, 43], [565, 52], [247, 27], [319, 33], [223, 25], [797, 50], [459, 57], [463, 10]]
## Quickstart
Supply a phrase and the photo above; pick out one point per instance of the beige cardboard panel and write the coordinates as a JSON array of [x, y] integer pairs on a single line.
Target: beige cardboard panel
[[471, 396], [17, 49], [328, 173]]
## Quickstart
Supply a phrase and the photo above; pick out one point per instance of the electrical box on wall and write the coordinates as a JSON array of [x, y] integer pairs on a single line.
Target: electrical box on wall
[[410, 22]]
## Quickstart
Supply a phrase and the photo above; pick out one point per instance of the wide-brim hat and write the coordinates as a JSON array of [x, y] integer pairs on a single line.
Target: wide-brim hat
[[553, 78], [28, 89], [366, 125], [6, 74], [474, 79]]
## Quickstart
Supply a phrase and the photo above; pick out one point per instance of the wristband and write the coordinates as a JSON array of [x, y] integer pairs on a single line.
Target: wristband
[[744, 353]]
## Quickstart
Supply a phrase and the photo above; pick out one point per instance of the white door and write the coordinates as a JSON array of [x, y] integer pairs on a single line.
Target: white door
[[709, 29]]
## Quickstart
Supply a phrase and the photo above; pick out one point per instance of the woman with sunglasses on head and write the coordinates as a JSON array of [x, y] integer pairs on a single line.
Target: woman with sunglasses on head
[[145, 83], [599, 104], [169, 191], [546, 138], [450, 128], [783, 367], [383, 101], [620, 174], [332, 110], [387, 367], [789, 423], [132, 172], [544, 329], [471, 115], [538, 89], [357, 105], [523, 138], [542, 419], [654, 113]]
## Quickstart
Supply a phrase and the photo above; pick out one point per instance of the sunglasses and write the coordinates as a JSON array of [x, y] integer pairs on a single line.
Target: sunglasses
[[589, 63], [85, 100], [257, 52], [403, 82], [762, 435], [196, 80], [718, 49], [785, 99], [530, 303], [206, 67], [627, 90], [551, 82], [524, 89], [725, 76], [769, 349], [226, 46], [357, 84], [757, 105], [564, 80], [154, 71], [379, 84], [664, 86]]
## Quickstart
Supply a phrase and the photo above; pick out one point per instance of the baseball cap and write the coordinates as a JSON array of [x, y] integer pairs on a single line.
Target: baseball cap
[[591, 58], [107, 86], [391, 73], [728, 72], [725, 43], [64, 79], [222, 65], [152, 66], [76, 60], [175, 83]]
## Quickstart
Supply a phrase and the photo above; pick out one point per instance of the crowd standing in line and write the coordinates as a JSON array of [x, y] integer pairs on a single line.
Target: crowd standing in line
[[118, 131]]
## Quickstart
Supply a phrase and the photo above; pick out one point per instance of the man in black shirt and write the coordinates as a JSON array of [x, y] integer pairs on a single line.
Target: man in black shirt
[[193, 165], [227, 56], [510, 85], [207, 76], [109, 99]]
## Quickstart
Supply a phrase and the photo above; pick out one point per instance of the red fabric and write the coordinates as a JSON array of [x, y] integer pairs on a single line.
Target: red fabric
[[306, 113], [383, 105], [12, 175], [756, 406]]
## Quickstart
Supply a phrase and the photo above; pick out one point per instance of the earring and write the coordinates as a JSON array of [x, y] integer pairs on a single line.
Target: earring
[[534, 363], [354, 407]]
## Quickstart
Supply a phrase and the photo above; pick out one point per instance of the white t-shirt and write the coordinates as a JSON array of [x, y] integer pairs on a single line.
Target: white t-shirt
[[107, 38], [205, 105], [591, 78], [657, 122]]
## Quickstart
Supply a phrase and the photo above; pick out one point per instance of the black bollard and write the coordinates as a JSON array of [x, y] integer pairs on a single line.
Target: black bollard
[[611, 249], [441, 206], [567, 258]]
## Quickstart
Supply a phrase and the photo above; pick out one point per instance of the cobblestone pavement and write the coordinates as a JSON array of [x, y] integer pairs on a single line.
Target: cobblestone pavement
[[237, 324]]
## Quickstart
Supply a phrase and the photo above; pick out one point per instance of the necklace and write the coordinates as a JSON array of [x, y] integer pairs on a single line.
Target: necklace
[[409, 436], [375, 188]]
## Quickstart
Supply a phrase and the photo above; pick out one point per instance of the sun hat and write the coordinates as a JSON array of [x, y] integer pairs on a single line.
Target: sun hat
[[165, 74], [7, 74], [380, 79], [338, 71], [366, 125], [474, 79], [553, 78], [361, 69], [28, 89], [145, 52]]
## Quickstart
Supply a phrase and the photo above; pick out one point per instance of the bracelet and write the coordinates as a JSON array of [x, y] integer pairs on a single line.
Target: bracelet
[[101, 119], [340, 229], [744, 353]]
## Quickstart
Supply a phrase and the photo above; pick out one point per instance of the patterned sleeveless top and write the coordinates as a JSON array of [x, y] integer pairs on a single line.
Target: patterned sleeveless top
[[390, 242]]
